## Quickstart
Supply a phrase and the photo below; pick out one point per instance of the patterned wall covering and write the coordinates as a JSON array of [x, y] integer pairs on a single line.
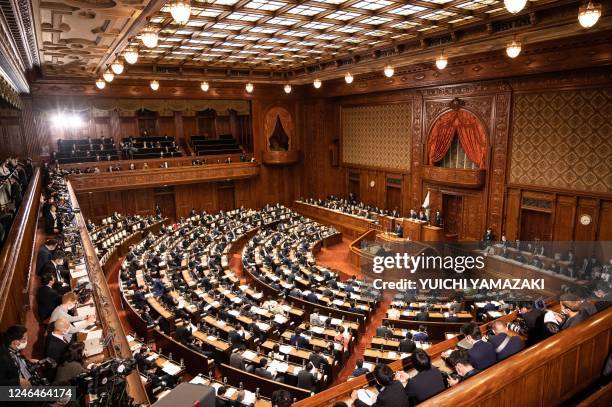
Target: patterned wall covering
[[377, 136], [563, 139]]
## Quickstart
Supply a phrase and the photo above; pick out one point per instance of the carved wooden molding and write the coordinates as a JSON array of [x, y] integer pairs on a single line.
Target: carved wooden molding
[[286, 120], [281, 157], [453, 176], [162, 176]]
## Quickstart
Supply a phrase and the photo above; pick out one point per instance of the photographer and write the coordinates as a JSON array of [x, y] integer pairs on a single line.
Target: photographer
[[505, 345], [13, 366], [70, 364], [460, 360]]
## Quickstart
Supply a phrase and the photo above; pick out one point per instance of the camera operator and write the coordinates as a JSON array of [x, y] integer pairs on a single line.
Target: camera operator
[[14, 369], [505, 345]]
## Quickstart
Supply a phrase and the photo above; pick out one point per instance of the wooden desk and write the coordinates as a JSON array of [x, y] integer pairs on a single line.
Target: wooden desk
[[350, 225]]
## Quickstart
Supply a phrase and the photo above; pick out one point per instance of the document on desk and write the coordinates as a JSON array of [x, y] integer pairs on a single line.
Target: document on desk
[[95, 334], [85, 311], [249, 354], [92, 347], [366, 396], [152, 357], [249, 398], [280, 319], [171, 368], [286, 349], [199, 380], [84, 326]]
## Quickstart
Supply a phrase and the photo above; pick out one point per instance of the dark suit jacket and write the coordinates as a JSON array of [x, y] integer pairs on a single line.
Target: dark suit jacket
[[407, 346], [44, 255], [9, 371], [482, 355], [393, 395], [236, 360], [47, 299], [425, 384], [317, 359], [575, 320], [235, 339], [49, 222], [299, 340], [55, 347], [260, 371], [515, 345], [306, 380], [383, 330], [359, 372], [422, 316]]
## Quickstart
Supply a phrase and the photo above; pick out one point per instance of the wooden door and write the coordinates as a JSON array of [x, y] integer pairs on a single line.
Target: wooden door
[[452, 214], [225, 196], [394, 199], [535, 225], [166, 204]]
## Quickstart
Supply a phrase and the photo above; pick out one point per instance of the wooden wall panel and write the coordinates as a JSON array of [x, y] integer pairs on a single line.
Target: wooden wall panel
[[513, 204], [565, 215], [167, 126], [129, 127]]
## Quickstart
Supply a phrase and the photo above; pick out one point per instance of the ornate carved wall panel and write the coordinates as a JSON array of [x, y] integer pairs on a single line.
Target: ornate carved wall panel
[[562, 139], [278, 123], [377, 135]]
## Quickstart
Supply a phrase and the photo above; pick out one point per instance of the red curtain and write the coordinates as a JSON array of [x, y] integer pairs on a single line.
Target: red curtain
[[471, 136]]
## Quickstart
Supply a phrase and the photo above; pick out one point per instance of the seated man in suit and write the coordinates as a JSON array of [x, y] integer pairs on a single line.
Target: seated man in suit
[[237, 360], [422, 315], [317, 358], [427, 382], [306, 378], [451, 317], [384, 330], [421, 335], [534, 320], [315, 319], [359, 369], [407, 345], [399, 230], [56, 267], [182, 333], [298, 340], [262, 371], [44, 254], [391, 393], [222, 401], [571, 307], [13, 366], [482, 354], [281, 398], [46, 297], [237, 336], [57, 340], [505, 345], [461, 361]]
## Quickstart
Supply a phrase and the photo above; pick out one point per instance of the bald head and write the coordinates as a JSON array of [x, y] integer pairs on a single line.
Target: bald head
[[61, 326], [499, 327]]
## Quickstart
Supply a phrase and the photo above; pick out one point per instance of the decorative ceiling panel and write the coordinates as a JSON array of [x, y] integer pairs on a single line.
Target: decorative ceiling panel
[[74, 35], [288, 34]]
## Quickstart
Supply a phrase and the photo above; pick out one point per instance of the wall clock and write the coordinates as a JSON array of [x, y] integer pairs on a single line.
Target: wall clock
[[585, 219]]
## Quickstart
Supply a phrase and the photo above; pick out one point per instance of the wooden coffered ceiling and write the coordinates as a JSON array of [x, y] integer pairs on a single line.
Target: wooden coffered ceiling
[[283, 40]]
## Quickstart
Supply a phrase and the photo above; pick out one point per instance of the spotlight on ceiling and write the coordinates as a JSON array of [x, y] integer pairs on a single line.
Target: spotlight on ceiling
[[131, 56], [441, 61], [204, 86], [513, 49], [149, 37], [348, 78], [287, 88], [117, 67], [389, 71], [181, 11], [154, 85], [108, 75], [100, 83], [514, 6], [249, 87], [317, 83], [589, 14]]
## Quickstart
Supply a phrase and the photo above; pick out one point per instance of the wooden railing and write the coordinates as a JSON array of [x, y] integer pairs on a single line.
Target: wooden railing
[[545, 374], [357, 256], [16, 257], [106, 311]]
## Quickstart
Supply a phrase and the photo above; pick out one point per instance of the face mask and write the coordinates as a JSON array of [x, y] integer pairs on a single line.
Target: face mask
[[22, 345]]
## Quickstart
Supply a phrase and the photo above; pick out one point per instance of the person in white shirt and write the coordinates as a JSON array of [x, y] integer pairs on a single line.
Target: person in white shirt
[[69, 300]]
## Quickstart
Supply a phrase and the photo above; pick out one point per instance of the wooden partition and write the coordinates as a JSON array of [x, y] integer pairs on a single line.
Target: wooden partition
[[546, 374], [106, 311], [16, 257], [357, 256]]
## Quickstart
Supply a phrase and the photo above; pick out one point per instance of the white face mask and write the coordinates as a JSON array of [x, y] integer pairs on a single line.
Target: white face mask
[[22, 345]]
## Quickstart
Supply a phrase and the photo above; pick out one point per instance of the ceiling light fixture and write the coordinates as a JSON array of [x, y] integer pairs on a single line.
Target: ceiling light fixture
[[287, 88], [249, 87], [514, 6], [348, 78], [589, 14], [100, 83], [108, 75], [131, 56], [154, 85], [513, 49], [441, 61], [317, 83], [389, 71], [117, 67], [204, 86], [181, 11], [149, 37]]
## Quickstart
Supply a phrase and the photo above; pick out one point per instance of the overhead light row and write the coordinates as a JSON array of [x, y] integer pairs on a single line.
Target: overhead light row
[[205, 86]]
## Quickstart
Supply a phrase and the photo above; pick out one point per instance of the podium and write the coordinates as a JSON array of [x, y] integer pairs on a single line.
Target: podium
[[431, 233], [420, 230], [387, 223]]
